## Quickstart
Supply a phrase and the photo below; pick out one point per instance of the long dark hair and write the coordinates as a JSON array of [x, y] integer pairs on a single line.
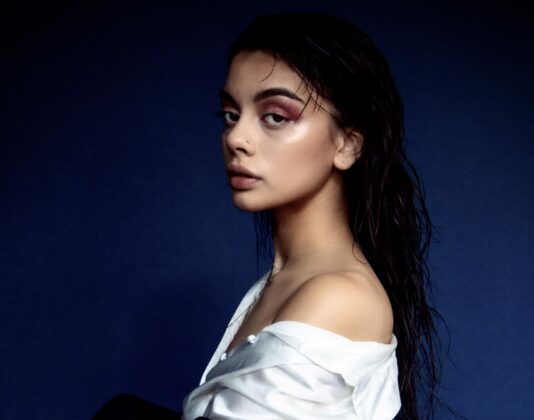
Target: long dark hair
[[389, 219]]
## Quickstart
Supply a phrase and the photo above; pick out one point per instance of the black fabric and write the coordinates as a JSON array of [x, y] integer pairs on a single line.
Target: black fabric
[[130, 407]]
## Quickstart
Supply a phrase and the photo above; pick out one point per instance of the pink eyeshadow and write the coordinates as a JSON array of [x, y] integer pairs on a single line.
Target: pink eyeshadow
[[286, 111]]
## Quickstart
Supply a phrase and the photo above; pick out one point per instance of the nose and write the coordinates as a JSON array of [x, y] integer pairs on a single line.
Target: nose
[[238, 138]]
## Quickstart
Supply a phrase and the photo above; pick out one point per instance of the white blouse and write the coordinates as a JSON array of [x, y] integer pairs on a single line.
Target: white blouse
[[293, 370]]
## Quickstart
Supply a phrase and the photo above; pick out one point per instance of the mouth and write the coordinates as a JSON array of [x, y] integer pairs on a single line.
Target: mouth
[[241, 178], [241, 182]]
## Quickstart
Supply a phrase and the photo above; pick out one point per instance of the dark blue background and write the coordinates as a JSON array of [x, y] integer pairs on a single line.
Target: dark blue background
[[121, 255]]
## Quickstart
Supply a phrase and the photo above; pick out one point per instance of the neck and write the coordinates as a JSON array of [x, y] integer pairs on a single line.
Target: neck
[[311, 228]]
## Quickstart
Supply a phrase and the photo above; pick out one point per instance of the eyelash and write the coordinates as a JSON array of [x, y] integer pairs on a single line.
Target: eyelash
[[222, 114]]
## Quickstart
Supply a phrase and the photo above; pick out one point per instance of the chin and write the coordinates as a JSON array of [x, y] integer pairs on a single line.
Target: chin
[[254, 200], [247, 204]]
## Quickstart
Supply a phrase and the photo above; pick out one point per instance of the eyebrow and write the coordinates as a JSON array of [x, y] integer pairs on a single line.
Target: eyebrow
[[262, 94]]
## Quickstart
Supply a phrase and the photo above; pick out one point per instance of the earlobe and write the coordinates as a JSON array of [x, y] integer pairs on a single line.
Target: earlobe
[[349, 147]]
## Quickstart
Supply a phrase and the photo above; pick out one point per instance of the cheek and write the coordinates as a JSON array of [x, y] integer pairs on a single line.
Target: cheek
[[300, 161], [289, 173]]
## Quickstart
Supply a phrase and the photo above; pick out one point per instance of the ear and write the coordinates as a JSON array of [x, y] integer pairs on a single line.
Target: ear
[[348, 148]]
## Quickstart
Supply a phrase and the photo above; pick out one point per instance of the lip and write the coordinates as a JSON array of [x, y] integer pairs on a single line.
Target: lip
[[242, 182], [241, 178], [235, 169]]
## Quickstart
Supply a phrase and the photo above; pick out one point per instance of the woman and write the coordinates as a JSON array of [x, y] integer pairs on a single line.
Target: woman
[[313, 145]]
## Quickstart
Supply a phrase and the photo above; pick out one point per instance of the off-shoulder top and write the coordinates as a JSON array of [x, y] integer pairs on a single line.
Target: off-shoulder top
[[294, 370]]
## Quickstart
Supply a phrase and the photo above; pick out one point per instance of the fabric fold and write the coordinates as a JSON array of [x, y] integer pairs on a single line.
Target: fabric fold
[[294, 370], [353, 359], [246, 304]]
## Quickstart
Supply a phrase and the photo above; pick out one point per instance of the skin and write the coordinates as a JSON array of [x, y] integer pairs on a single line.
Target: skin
[[300, 155]]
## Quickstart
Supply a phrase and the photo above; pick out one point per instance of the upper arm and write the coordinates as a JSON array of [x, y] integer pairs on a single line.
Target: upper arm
[[344, 304]]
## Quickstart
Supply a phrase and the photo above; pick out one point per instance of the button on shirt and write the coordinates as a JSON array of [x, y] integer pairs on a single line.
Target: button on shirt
[[293, 370]]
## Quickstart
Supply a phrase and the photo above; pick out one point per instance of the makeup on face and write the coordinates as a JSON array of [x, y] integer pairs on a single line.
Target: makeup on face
[[242, 182], [276, 100], [284, 108], [276, 149]]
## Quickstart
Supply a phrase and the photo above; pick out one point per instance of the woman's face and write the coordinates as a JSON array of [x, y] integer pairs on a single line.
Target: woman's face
[[287, 146]]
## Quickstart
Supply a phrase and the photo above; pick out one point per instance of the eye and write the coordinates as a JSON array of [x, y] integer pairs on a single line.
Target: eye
[[276, 118], [227, 117]]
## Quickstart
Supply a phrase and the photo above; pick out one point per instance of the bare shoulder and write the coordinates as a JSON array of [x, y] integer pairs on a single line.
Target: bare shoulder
[[347, 303]]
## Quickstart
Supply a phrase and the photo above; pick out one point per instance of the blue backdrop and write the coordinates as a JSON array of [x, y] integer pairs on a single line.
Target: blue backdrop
[[121, 255]]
